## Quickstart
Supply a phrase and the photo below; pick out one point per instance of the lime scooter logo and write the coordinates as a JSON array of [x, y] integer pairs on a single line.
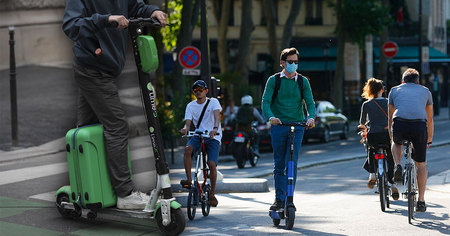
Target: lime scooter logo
[[152, 98]]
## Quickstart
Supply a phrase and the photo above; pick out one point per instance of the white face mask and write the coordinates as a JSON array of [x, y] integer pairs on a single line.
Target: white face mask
[[291, 68]]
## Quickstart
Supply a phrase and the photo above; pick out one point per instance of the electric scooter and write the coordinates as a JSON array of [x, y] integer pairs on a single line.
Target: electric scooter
[[288, 212], [162, 205]]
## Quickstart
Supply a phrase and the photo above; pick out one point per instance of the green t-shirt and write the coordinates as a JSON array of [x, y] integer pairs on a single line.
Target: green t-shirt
[[287, 106]]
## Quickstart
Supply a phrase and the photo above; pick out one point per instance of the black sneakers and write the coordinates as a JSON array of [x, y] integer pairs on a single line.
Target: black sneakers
[[277, 205], [421, 207], [398, 175]]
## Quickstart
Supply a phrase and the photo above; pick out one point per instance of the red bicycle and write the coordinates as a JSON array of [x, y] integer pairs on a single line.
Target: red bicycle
[[199, 193]]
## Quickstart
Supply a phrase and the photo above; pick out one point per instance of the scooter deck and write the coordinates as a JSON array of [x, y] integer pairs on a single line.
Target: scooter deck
[[277, 214], [126, 213]]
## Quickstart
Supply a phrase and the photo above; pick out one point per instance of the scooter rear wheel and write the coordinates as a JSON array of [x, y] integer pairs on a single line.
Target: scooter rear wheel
[[276, 222], [68, 213], [240, 154]]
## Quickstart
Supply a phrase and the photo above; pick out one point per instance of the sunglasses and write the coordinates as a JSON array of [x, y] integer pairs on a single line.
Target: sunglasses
[[292, 61], [196, 90]]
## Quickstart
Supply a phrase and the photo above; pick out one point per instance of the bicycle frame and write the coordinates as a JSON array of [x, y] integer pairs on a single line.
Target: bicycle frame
[[201, 156]]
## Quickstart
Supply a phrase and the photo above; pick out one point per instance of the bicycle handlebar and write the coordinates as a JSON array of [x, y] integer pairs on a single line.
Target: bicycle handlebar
[[198, 133]]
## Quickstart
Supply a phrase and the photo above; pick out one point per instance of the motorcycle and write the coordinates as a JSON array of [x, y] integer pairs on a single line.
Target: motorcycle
[[243, 149]]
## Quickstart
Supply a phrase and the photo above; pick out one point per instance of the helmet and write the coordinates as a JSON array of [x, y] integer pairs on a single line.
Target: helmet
[[199, 83], [247, 99]]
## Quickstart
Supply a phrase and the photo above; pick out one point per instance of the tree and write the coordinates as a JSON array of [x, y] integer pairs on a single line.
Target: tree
[[247, 27], [222, 14], [356, 20], [179, 33], [269, 7], [290, 21]]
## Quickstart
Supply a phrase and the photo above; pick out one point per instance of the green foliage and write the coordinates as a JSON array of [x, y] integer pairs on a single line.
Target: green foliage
[[170, 32], [171, 114], [229, 81], [362, 18]]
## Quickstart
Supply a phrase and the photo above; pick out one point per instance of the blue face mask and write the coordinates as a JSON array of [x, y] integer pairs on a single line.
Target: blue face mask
[[291, 68]]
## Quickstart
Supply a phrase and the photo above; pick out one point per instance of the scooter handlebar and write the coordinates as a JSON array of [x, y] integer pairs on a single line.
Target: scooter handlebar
[[293, 123], [136, 21]]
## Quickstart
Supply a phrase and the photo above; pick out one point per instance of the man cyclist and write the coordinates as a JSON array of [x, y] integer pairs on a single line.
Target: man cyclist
[[210, 122], [286, 106], [244, 118], [411, 118]]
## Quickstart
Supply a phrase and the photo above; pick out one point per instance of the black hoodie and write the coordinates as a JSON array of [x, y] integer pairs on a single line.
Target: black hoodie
[[86, 23]]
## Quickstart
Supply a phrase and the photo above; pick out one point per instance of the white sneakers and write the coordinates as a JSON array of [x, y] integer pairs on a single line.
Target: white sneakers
[[134, 201]]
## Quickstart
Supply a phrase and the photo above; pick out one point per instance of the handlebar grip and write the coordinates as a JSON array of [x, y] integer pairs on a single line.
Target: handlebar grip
[[114, 24]]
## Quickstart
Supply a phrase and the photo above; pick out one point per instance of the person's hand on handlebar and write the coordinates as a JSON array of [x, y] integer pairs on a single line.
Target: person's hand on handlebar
[[274, 121], [310, 123], [212, 132], [122, 21], [183, 131], [160, 16]]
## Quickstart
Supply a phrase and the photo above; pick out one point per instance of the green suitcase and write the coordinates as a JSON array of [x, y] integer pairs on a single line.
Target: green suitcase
[[88, 173]]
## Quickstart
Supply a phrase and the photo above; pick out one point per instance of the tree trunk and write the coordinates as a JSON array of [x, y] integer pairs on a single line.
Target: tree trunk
[[222, 13], [269, 13], [247, 28], [339, 75], [289, 25], [384, 37], [189, 17]]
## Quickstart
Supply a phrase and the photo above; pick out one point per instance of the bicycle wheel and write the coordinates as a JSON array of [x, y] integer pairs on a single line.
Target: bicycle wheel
[[386, 186], [382, 191], [192, 202], [206, 205], [410, 194]]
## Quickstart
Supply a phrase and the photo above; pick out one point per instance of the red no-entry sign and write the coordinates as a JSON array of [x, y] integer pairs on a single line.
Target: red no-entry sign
[[189, 57], [390, 49]]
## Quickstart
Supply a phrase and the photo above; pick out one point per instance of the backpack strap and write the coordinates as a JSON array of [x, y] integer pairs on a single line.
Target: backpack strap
[[278, 84], [203, 113]]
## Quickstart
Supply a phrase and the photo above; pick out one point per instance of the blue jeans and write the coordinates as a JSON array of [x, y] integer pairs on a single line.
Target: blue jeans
[[212, 147], [280, 145]]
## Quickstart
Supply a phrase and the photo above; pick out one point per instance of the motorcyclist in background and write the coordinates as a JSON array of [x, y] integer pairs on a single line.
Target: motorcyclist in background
[[245, 116]]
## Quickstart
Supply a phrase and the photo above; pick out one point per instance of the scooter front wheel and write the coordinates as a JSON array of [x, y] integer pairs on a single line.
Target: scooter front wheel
[[177, 222], [290, 217]]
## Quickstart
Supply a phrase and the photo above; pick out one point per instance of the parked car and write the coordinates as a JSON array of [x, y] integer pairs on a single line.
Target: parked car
[[329, 122]]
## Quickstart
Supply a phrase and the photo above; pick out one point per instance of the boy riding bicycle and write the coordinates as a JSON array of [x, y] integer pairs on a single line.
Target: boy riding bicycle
[[210, 121], [411, 118]]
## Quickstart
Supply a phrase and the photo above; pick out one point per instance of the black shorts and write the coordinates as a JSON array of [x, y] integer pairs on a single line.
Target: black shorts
[[414, 131]]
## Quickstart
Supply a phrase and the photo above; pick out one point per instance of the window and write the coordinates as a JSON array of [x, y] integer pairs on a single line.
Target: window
[[313, 12]]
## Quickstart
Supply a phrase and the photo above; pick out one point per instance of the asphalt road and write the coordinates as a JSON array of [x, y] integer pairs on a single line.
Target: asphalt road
[[331, 199]]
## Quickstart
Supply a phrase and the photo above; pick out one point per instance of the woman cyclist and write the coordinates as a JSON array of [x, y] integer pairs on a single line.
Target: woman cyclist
[[374, 116]]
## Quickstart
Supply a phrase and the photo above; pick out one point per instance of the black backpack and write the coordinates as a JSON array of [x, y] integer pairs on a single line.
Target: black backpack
[[244, 115], [278, 84]]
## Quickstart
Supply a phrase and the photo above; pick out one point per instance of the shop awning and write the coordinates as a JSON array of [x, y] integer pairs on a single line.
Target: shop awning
[[411, 54]]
